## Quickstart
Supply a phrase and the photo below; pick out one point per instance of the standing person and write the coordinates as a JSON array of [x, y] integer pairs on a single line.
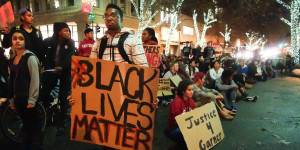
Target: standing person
[[209, 51], [228, 89], [119, 45], [85, 46], [181, 104], [60, 48], [24, 91], [148, 37], [35, 38], [186, 50]]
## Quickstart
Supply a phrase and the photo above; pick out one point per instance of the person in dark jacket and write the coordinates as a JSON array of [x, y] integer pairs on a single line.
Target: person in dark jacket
[[3, 74], [57, 64], [24, 91], [35, 38]]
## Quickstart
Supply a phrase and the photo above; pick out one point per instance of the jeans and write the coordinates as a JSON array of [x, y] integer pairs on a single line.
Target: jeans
[[31, 132], [229, 97], [176, 136]]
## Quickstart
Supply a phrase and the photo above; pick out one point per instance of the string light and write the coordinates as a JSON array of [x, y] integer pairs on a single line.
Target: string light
[[208, 19], [294, 24], [227, 34]]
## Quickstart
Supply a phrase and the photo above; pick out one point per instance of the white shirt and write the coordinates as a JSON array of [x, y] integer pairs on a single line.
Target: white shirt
[[214, 75]]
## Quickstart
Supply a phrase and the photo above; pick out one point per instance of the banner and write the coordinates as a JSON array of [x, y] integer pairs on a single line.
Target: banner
[[113, 103], [86, 6], [6, 13], [164, 87], [153, 56], [201, 127], [176, 79]]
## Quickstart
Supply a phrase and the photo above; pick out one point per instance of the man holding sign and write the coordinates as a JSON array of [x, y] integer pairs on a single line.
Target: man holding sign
[[119, 45]]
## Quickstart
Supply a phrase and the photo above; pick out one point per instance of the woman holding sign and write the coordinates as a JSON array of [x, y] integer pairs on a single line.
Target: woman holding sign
[[148, 37], [181, 104]]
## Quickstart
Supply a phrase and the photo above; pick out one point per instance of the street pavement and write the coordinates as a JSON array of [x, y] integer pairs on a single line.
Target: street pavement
[[271, 123]]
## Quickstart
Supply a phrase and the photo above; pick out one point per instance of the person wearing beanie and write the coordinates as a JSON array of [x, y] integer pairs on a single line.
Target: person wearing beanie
[[85, 46], [202, 95], [35, 38], [59, 49]]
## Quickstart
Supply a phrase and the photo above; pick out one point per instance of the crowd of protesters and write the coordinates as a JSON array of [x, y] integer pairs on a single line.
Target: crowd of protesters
[[205, 77]]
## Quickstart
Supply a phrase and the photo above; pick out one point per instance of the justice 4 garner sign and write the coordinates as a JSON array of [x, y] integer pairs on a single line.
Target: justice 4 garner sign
[[113, 103]]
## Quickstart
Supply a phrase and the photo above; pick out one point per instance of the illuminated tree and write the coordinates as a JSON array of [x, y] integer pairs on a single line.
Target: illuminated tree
[[196, 27], [208, 19], [174, 23], [255, 41], [145, 16], [294, 9]]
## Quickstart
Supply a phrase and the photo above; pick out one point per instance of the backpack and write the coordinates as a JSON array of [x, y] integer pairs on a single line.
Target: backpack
[[121, 49]]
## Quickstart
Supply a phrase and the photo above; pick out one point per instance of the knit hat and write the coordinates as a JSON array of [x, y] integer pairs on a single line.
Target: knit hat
[[198, 75], [59, 26], [23, 10]]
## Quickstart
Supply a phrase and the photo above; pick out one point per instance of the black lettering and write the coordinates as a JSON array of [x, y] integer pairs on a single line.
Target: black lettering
[[202, 120], [191, 122], [127, 130], [197, 122], [89, 68], [139, 110], [205, 116], [142, 141], [144, 83], [202, 146], [123, 109], [80, 123], [137, 93], [99, 77], [94, 125], [102, 105], [214, 113], [83, 100], [208, 144], [209, 127]]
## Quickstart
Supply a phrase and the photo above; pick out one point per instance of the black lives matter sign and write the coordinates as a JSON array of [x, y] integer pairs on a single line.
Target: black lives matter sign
[[113, 103]]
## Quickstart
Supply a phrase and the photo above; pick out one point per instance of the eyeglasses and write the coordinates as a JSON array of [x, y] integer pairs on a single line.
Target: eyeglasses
[[112, 17]]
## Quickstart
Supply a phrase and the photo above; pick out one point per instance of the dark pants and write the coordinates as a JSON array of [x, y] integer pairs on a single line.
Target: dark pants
[[229, 97], [176, 136], [49, 81], [31, 132]]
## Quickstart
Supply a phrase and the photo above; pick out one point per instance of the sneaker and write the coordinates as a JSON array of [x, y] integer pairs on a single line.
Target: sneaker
[[234, 109]]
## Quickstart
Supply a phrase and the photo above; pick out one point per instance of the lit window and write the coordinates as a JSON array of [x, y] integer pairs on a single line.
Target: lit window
[[56, 3], [187, 30]]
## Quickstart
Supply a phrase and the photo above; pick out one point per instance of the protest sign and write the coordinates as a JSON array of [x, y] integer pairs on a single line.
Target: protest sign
[[201, 127], [176, 79], [113, 103], [153, 56], [164, 87], [6, 13]]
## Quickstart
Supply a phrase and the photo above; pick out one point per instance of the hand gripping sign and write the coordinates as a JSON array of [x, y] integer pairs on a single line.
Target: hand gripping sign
[[201, 127], [113, 103]]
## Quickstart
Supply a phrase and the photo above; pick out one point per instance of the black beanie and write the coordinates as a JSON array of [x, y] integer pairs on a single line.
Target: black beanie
[[58, 26]]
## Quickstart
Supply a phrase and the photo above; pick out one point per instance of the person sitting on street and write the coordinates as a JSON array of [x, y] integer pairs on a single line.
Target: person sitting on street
[[226, 86], [242, 69], [202, 95], [181, 104], [213, 74], [191, 69]]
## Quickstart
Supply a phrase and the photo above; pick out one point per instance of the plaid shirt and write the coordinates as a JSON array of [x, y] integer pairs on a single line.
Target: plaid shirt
[[132, 47]]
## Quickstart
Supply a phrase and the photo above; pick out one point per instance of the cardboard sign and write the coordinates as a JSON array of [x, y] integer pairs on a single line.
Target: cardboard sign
[[86, 6], [113, 103], [176, 79], [6, 13], [164, 87], [153, 56], [201, 127]]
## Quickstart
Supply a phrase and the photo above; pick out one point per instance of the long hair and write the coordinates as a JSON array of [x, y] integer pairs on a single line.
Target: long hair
[[191, 69], [152, 33], [182, 87], [226, 74]]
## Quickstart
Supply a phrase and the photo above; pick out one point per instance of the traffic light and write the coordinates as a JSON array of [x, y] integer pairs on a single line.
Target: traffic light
[[97, 28], [87, 25]]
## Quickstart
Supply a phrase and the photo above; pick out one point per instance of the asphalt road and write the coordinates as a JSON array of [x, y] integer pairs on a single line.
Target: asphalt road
[[271, 123]]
